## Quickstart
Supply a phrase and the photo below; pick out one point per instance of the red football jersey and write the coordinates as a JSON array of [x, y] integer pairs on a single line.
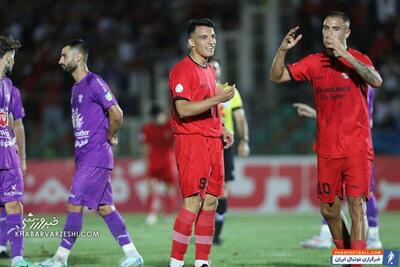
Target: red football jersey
[[340, 96], [192, 82], [160, 141]]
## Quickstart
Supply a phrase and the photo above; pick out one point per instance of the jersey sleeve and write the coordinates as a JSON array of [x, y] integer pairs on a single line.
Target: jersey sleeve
[[179, 84], [102, 94], [236, 101], [18, 110], [301, 70]]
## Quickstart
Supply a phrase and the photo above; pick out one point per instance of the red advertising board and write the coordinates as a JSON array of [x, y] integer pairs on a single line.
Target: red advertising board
[[263, 184]]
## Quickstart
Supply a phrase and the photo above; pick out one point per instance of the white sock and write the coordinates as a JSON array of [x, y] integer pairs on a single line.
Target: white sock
[[325, 233], [176, 263], [198, 263], [130, 250], [15, 259], [3, 248], [62, 254], [373, 233]]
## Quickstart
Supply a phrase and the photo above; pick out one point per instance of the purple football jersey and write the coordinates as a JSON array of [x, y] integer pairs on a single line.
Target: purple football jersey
[[90, 100], [8, 155], [18, 109]]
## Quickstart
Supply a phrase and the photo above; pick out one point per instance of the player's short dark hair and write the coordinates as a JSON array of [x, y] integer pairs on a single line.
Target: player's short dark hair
[[155, 110], [8, 43], [340, 14], [191, 27], [80, 45]]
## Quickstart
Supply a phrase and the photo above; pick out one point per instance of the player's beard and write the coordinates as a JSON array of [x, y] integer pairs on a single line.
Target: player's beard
[[70, 68]]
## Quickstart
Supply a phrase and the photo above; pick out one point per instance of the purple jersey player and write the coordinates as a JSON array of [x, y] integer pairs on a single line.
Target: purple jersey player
[[324, 239], [96, 118], [18, 113], [11, 185]]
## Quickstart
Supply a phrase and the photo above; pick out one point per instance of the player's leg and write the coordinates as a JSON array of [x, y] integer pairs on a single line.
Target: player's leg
[[193, 169], [330, 193], [357, 213], [151, 199], [117, 227], [357, 179], [204, 230], [3, 234], [182, 229], [12, 190], [204, 227], [373, 239], [84, 191], [223, 201], [332, 213]]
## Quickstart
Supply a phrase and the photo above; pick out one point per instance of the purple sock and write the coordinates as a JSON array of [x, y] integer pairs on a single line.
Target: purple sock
[[3, 227], [72, 228], [116, 224], [14, 234], [372, 211]]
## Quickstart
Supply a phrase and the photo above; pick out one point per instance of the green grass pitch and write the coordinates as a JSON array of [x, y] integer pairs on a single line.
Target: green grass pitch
[[250, 240]]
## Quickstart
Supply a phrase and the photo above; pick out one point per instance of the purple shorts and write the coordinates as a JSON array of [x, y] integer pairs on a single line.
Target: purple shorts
[[91, 187], [11, 185]]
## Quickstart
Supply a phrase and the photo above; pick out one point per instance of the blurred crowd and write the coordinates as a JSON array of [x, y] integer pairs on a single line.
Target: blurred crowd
[[127, 37]]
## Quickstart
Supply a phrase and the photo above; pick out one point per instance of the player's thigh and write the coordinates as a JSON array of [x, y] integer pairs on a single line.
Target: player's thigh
[[193, 162], [357, 175], [329, 178]]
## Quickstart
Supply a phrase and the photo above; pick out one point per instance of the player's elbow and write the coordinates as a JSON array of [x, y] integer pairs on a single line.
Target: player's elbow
[[377, 83]]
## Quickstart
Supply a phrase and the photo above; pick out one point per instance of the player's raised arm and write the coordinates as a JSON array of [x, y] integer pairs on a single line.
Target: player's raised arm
[[116, 117], [279, 72], [187, 108]]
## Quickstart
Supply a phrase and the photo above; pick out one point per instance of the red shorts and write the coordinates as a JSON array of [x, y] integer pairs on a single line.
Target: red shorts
[[200, 165], [351, 174], [165, 173]]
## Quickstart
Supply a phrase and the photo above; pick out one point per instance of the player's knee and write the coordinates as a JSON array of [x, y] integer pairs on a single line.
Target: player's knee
[[14, 207], [74, 208], [210, 203], [104, 210], [193, 203]]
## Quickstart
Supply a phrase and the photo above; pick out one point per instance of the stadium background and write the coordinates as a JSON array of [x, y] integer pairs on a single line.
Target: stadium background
[[133, 45]]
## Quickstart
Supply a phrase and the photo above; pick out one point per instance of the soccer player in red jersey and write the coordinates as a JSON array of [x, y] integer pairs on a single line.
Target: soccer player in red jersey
[[158, 140], [340, 78], [199, 136]]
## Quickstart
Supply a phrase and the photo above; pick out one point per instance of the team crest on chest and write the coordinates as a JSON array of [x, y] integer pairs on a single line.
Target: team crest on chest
[[80, 98]]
